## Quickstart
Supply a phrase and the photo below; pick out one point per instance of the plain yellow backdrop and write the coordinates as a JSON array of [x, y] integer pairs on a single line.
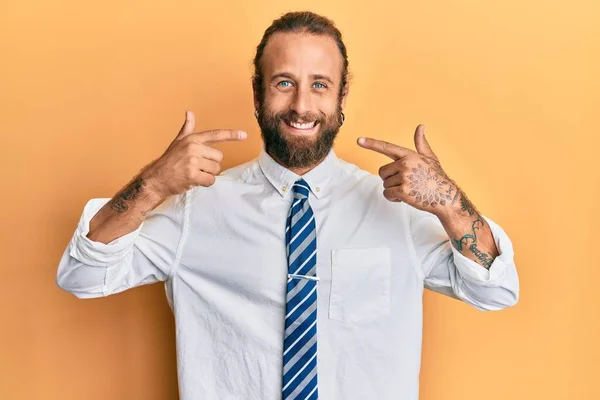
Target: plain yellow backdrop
[[509, 92]]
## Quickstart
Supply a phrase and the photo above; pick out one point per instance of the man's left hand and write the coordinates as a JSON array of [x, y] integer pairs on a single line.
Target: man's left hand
[[416, 178]]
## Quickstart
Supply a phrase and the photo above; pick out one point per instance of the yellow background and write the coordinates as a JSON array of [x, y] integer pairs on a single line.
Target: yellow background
[[509, 92]]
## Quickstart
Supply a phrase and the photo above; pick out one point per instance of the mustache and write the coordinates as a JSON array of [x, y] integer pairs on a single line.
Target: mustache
[[293, 116]]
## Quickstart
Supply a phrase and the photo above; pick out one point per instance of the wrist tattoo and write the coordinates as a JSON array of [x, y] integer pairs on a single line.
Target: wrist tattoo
[[130, 192]]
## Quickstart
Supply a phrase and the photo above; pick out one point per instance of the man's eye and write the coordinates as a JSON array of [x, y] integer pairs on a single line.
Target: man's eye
[[285, 83], [320, 85]]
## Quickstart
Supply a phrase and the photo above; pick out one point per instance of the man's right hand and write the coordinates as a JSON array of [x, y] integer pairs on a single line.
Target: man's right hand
[[189, 161]]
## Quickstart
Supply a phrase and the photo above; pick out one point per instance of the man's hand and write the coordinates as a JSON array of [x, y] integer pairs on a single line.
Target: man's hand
[[189, 161], [416, 178]]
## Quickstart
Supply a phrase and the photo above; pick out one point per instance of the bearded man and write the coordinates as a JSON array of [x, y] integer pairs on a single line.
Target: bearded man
[[294, 276]]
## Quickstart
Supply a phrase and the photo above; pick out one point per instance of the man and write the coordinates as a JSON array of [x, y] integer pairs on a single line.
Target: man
[[292, 276]]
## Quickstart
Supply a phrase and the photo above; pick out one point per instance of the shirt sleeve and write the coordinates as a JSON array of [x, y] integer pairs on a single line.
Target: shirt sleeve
[[149, 254], [446, 270]]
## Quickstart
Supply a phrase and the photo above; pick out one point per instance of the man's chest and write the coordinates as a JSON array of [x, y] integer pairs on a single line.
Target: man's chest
[[362, 255]]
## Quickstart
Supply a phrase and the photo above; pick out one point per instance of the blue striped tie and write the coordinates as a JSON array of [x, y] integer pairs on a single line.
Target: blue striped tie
[[300, 338]]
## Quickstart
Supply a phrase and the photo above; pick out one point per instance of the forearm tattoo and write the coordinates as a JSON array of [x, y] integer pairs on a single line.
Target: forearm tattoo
[[430, 186], [467, 206], [130, 192], [470, 240]]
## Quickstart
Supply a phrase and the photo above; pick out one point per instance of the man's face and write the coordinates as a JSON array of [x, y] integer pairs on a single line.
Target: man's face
[[301, 111]]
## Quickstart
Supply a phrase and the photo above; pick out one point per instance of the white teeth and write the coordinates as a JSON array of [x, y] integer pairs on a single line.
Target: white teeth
[[303, 126]]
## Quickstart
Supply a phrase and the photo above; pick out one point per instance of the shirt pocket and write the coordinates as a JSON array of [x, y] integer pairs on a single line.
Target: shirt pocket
[[360, 284]]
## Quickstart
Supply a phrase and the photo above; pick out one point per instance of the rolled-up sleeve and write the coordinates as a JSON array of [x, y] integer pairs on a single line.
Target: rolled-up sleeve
[[146, 255], [446, 270]]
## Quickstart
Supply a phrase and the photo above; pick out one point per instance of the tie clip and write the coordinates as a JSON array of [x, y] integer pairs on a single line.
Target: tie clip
[[310, 278]]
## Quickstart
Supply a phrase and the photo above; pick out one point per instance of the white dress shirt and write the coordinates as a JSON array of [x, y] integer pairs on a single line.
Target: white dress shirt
[[221, 253]]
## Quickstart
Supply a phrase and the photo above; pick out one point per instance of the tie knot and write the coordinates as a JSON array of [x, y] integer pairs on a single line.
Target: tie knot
[[301, 189]]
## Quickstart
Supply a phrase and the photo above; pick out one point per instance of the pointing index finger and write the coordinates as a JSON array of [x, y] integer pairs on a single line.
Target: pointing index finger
[[391, 150], [221, 135]]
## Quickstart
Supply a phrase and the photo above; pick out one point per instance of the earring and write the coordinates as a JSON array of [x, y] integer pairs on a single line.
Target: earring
[[343, 119], [256, 114]]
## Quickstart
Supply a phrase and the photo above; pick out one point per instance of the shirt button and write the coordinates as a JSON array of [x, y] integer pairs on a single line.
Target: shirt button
[[317, 189], [284, 188]]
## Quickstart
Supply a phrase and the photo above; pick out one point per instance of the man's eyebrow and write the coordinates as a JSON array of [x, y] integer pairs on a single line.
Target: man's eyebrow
[[283, 75], [318, 77], [313, 77]]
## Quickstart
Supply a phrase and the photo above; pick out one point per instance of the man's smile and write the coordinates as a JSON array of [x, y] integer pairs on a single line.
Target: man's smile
[[302, 128]]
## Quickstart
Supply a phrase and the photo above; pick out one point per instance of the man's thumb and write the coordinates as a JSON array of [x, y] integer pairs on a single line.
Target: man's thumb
[[188, 126], [421, 143]]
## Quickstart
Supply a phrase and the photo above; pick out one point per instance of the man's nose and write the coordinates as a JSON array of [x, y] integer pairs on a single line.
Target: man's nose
[[301, 103]]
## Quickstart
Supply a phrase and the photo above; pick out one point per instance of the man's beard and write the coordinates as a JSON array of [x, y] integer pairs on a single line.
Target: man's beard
[[297, 151]]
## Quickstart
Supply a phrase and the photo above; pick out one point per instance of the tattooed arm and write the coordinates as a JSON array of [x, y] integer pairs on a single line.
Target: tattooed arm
[[189, 161], [137, 237], [125, 212], [470, 233], [461, 253], [417, 178]]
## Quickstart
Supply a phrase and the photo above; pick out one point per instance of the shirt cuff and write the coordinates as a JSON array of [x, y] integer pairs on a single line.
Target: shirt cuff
[[476, 273], [96, 253]]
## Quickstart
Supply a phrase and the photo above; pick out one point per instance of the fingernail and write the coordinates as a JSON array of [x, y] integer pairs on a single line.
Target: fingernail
[[242, 135], [187, 115], [361, 140]]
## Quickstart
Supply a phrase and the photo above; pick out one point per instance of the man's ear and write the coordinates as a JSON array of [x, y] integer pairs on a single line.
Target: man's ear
[[345, 95]]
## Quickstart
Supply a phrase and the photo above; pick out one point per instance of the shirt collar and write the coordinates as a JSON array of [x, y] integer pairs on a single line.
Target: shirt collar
[[282, 178]]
